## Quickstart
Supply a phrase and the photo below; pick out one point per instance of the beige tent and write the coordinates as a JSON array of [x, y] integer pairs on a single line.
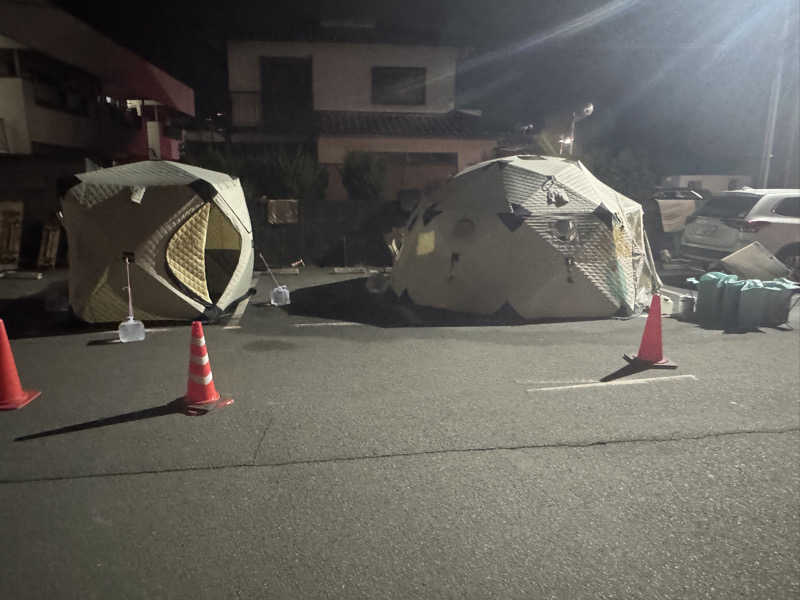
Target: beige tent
[[187, 228], [540, 234]]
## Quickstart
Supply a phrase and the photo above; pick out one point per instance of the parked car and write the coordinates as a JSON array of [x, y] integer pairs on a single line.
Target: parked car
[[665, 215], [732, 220]]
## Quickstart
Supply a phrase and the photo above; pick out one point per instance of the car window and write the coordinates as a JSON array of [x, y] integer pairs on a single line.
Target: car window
[[728, 205], [789, 207]]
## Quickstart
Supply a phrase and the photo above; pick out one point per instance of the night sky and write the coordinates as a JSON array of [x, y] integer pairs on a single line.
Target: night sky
[[686, 81]]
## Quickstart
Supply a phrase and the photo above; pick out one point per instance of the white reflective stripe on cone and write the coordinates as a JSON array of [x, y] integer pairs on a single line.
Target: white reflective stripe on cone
[[199, 341], [198, 360], [201, 380]]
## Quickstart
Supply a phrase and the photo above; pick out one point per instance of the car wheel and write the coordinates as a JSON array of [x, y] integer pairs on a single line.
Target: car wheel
[[790, 256]]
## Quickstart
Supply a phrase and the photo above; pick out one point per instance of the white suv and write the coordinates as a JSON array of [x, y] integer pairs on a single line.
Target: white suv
[[731, 220]]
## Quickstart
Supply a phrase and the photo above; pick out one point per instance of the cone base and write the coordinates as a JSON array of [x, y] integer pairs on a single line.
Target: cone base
[[201, 408], [27, 397], [664, 363]]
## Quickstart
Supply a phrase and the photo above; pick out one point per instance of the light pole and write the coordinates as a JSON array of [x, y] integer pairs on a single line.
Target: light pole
[[587, 110], [774, 100]]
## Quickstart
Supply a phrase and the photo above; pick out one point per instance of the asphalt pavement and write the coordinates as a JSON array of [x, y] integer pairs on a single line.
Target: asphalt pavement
[[375, 450]]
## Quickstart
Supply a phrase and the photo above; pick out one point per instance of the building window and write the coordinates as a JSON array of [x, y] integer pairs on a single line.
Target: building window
[[287, 97], [57, 85], [398, 85]]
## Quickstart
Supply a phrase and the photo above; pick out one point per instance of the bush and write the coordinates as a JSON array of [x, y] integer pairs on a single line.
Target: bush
[[626, 170]]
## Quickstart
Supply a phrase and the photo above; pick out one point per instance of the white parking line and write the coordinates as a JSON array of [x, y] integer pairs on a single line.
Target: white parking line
[[332, 324], [553, 381], [617, 382]]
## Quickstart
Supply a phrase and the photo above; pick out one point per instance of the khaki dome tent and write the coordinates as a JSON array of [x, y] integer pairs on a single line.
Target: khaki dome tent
[[188, 229], [538, 233]]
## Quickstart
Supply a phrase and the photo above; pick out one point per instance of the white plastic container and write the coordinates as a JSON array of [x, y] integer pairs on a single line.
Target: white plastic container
[[280, 296], [131, 331]]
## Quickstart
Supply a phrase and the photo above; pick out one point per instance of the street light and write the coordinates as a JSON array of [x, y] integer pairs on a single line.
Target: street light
[[587, 110], [564, 141]]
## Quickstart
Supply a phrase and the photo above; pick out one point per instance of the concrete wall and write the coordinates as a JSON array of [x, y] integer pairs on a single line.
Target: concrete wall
[[398, 177], [26, 122], [12, 111], [342, 74], [332, 150]]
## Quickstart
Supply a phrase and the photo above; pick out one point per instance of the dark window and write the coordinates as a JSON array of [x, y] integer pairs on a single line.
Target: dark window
[[58, 85], [789, 207], [7, 66], [398, 85], [729, 205], [286, 91]]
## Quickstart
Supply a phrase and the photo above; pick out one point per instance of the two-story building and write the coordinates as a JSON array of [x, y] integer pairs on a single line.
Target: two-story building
[[394, 100], [68, 94]]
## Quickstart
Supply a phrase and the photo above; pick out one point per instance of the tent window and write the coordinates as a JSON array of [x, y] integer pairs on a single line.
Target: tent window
[[223, 245], [566, 230]]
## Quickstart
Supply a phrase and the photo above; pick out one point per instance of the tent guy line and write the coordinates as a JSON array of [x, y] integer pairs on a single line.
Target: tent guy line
[[610, 383]]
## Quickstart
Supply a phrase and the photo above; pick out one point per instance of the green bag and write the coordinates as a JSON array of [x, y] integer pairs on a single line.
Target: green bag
[[751, 305], [777, 302], [731, 294], [708, 310]]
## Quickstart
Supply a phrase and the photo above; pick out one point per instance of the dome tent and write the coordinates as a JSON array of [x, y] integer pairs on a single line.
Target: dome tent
[[187, 229], [539, 234]]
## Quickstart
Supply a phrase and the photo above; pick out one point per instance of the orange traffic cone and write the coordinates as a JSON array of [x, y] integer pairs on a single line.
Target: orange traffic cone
[[12, 396], [650, 351], [651, 354], [200, 391]]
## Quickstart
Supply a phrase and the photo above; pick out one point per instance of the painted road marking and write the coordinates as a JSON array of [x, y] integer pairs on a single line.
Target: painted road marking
[[332, 324], [553, 381], [232, 327], [618, 382]]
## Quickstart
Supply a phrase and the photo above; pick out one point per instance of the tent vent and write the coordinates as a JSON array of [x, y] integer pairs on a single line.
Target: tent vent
[[565, 229], [605, 215], [520, 211], [513, 222], [557, 197]]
